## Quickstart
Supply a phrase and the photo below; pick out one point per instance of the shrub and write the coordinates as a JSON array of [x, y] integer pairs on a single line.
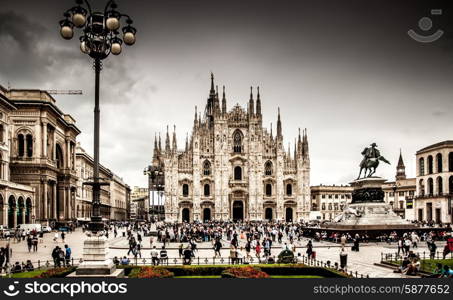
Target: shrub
[[150, 272], [244, 272], [56, 273]]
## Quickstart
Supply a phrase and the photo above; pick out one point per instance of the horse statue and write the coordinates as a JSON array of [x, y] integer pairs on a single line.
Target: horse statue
[[370, 162]]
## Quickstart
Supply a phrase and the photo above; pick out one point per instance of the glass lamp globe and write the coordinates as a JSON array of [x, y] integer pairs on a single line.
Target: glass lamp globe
[[113, 23], [129, 38], [78, 19], [66, 32], [116, 49], [84, 48]]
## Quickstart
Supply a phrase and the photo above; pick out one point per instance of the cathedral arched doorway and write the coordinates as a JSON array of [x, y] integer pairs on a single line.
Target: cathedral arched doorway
[[289, 214], [186, 215], [238, 211], [268, 214], [206, 214]]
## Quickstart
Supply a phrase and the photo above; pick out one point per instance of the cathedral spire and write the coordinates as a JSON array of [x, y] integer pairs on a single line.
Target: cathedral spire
[[279, 125], [251, 103], [212, 91], [295, 149], [224, 104], [195, 122], [271, 132], [187, 142], [175, 147], [258, 103], [305, 144], [167, 142], [160, 144]]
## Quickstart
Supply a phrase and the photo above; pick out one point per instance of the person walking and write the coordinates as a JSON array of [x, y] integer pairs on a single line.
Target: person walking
[[67, 256], [217, 248]]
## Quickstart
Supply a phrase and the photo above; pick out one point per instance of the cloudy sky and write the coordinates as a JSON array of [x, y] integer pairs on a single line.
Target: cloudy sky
[[348, 72]]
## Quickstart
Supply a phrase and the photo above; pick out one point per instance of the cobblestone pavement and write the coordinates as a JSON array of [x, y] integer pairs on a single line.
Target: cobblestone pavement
[[362, 262]]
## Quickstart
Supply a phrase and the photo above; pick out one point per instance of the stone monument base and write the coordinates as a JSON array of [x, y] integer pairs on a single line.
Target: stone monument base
[[95, 259], [368, 210]]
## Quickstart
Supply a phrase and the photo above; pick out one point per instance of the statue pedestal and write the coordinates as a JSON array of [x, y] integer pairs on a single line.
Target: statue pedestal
[[95, 259], [368, 210]]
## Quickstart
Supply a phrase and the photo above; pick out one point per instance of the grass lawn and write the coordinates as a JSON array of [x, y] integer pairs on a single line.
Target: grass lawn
[[28, 274], [429, 265]]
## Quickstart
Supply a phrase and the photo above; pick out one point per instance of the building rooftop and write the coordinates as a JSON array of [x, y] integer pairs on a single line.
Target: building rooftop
[[443, 144]]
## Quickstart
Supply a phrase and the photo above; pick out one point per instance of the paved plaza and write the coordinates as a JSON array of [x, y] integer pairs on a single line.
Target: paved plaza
[[361, 262]]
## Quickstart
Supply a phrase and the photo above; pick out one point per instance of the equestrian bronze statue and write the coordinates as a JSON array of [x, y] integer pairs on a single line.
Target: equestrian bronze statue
[[370, 161]]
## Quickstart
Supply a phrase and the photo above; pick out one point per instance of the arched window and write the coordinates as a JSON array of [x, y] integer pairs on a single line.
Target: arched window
[[207, 190], [185, 190], [450, 185], [440, 186], [323, 206], [450, 162], [268, 168], [237, 141], [237, 173], [268, 189], [430, 164], [439, 162], [20, 145], [289, 189], [421, 166], [206, 168], [430, 187], [29, 139]]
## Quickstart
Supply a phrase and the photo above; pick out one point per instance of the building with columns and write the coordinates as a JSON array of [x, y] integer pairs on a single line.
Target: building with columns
[[232, 168], [42, 142], [434, 181], [17, 201], [115, 195]]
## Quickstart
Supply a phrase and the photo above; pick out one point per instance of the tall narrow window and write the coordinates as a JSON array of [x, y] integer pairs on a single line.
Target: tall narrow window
[[2, 137], [237, 142], [268, 189], [268, 168], [206, 168], [237, 173], [20, 145], [207, 190], [185, 190], [29, 145], [289, 189]]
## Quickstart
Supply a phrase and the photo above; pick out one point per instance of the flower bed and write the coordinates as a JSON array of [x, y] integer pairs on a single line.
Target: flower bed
[[244, 272], [151, 272], [56, 273]]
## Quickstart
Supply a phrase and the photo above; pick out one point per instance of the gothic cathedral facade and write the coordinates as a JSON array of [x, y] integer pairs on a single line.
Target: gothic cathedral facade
[[233, 169]]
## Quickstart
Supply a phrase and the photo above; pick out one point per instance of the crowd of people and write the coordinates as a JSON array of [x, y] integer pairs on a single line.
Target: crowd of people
[[237, 242]]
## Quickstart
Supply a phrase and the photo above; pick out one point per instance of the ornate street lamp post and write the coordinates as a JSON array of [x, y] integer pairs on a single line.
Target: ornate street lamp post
[[155, 183], [100, 37]]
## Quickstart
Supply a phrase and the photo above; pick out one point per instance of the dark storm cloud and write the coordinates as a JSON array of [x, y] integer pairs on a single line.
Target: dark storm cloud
[[347, 70]]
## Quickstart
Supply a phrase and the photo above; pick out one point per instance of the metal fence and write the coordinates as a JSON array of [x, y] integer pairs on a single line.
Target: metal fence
[[177, 261], [398, 257]]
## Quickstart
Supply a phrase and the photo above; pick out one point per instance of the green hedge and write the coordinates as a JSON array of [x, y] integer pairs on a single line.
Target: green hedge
[[216, 270]]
